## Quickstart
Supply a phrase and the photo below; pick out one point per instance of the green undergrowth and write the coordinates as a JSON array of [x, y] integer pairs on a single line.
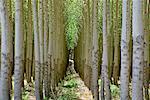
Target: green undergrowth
[[66, 88], [28, 90], [115, 91]]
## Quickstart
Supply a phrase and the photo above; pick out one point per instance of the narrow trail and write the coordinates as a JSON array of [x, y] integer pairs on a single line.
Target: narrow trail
[[74, 85], [70, 88]]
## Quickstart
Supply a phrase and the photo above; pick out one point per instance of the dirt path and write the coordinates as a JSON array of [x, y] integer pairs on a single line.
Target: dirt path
[[73, 88], [70, 88], [85, 93]]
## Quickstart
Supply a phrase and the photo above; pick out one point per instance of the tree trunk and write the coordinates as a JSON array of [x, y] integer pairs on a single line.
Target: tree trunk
[[146, 48], [5, 51], [41, 41], [116, 47], [125, 50], [94, 83], [18, 51], [104, 76], [36, 51], [9, 6], [29, 43], [45, 48], [138, 51], [110, 38], [88, 40]]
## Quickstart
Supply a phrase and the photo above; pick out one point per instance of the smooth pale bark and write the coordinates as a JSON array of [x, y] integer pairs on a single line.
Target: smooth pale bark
[[125, 50], [29, 42], [88, 40], [138, 51], [62, 52], [24, 30], [9, 6], [46, 89], [41, 41], [53, 48], [83, 52], [58, 47], [18, 51], [55, 41], [94, 68], [110, 38], [49, 57], [146, 48], [5, 51], [58, 36], [89, 43], [104, 76], [36, 51], [116, 47]]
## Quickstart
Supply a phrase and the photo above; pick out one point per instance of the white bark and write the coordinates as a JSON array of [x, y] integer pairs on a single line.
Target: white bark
[[45, 48], [138, 51], [41, 44], [125, 55], [5, 51], [36, 51], [94, 83], [105, 78], [18, 51]]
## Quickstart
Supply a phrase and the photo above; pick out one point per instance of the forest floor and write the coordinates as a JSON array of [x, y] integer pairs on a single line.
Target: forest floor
[[73, 88], [70, 88]]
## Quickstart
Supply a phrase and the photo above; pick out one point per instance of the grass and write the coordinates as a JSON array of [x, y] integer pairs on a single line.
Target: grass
[[66, 89]]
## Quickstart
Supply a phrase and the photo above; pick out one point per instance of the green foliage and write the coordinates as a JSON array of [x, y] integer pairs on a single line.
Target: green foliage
[[46, 98], [99, 82], [115, 91], [70, 84], [69, 95], [73, 13], [68, 87], [25, 95]]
